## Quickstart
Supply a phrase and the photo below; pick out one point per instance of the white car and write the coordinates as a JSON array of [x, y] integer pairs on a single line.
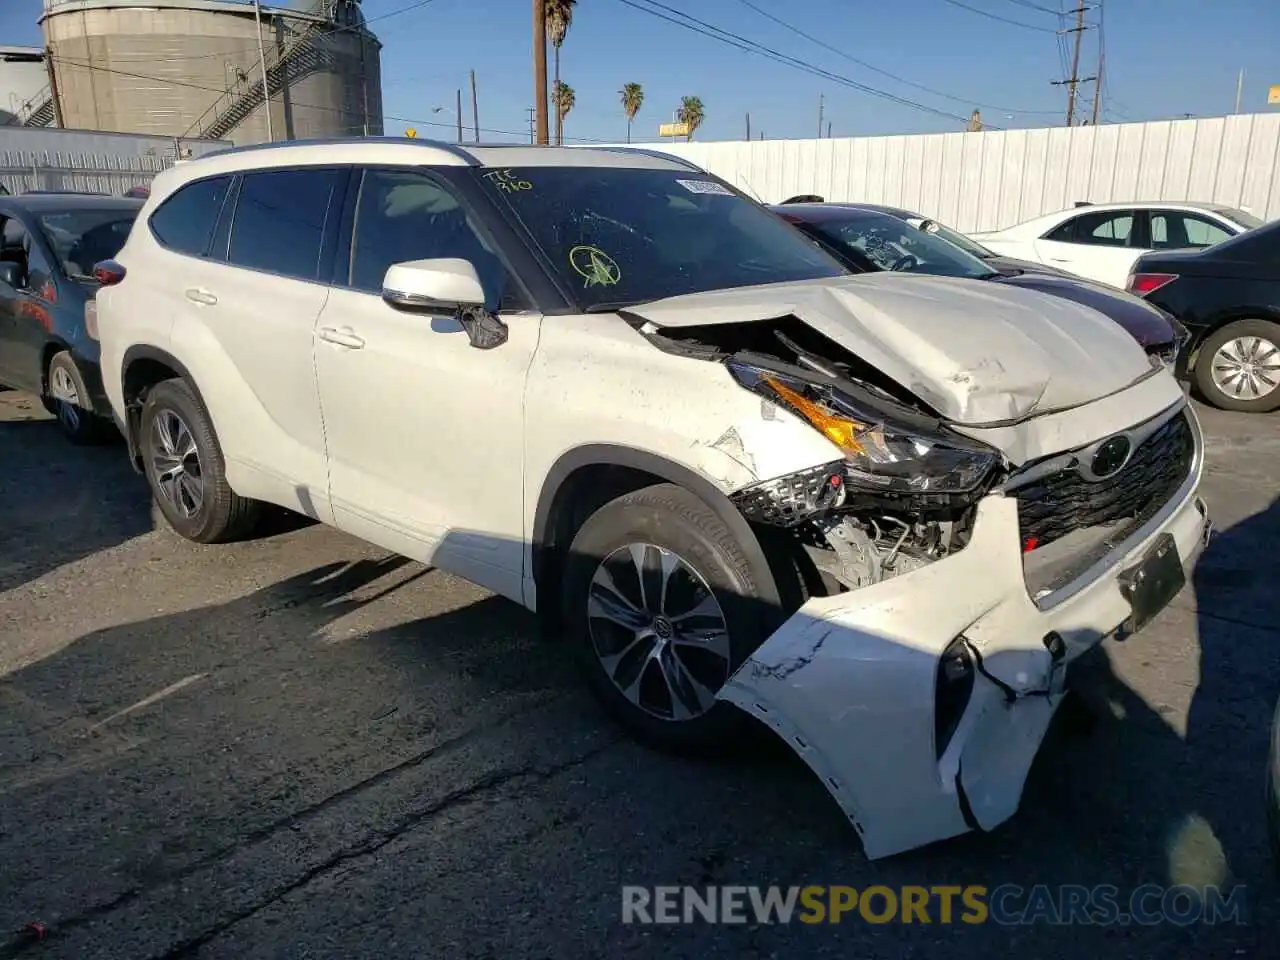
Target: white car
[[879, 513], [1101, 241]]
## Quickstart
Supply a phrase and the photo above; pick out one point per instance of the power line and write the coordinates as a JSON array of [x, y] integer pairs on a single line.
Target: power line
[[751, 46], [886, 73], [1035, 6], [994, 16], [305, 106]]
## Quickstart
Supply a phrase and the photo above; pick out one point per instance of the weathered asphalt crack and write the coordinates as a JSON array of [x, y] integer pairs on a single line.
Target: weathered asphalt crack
[[472, 793], [292, 821]]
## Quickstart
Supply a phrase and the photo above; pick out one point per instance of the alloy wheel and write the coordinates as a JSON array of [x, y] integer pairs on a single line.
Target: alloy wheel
[[658, 631], [63, 390], [1247, 368], [175, 460]]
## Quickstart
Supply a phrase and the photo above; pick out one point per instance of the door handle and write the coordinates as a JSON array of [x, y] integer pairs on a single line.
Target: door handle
[[196, 295], [342, 336]]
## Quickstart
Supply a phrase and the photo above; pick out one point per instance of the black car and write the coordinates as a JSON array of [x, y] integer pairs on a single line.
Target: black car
[[49, 244], [867, 238], [1228, 298], [1008, 266]]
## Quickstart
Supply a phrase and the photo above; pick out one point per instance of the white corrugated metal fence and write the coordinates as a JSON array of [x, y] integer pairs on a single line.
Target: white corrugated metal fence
[[994, 179]]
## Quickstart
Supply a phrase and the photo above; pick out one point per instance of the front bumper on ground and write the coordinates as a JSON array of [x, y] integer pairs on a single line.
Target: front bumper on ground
[[848, 680]]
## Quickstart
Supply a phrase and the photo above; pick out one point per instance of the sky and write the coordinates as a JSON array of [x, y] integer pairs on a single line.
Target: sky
[[1163, 59]]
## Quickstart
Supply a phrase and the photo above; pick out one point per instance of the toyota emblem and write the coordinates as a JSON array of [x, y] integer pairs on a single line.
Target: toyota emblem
[[1111, 455]]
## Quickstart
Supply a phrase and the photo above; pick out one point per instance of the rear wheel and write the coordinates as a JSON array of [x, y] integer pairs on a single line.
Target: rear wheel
[[185, 468], [68, 400], [1238, 367], [663, 605]]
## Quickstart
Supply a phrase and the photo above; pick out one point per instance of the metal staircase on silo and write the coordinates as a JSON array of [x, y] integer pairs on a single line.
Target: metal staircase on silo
[[297, 58], [36, 112]]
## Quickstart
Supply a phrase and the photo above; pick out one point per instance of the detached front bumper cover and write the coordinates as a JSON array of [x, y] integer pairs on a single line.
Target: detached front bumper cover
[[849, 680]]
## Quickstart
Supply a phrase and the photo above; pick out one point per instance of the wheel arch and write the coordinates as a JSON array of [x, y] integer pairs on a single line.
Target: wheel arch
[[1232, 315], [141, 369], [587, 477]]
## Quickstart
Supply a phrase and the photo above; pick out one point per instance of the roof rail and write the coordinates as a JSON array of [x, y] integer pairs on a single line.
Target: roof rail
[[656, 154], [452, 148]]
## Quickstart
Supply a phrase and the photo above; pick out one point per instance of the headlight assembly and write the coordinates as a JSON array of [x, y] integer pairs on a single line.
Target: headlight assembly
[[881, 456]]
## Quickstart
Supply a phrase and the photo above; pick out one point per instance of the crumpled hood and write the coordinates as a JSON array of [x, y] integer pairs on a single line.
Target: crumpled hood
[[976, 352]]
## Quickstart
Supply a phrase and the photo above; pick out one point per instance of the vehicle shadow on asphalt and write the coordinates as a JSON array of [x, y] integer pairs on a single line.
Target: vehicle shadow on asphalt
[[1200, 819], [165, 752], [60, 503]]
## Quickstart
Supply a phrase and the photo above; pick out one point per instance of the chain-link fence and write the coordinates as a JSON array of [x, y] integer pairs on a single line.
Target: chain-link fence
[[22, 171]]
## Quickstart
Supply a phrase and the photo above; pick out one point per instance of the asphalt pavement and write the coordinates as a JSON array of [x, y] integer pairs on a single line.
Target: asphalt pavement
[[301, 746]]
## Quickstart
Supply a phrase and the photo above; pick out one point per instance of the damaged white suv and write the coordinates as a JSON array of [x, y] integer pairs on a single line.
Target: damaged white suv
[[879, 513]]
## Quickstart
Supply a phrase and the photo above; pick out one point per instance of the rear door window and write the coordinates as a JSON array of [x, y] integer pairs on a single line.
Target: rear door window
[[280, 218], [1172, 229], [184, 222], [1110, 228]]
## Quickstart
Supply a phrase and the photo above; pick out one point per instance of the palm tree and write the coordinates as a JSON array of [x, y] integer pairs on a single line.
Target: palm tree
[[559, 14], [632, 97], [691, 113], [563, 99]]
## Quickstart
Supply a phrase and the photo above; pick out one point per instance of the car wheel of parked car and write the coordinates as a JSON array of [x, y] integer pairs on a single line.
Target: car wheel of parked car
[[67, 400], [184, 465], [658, 602], [1238, 367]]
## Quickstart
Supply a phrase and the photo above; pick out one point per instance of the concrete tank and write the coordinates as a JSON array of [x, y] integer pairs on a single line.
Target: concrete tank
[[192, 68]]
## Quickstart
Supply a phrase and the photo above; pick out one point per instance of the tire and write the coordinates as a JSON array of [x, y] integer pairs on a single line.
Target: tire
[[192, 493], [707, 568], [67, 398], [1209, 365]]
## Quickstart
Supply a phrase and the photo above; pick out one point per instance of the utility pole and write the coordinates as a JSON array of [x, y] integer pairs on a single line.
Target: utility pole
[[748, 128], [475, 107], [262, 60], [458, 111], [1239, 89], [1075, 79], [540, 67], [828, 129], [1097, 86], [820, 105]]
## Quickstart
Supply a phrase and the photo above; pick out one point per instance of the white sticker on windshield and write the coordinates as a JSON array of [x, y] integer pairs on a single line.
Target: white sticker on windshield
[[706, 186]]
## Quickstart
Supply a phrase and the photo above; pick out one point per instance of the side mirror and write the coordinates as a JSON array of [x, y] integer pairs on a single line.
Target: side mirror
[[928, 226], [12, 274], [445, 285], [442, 285]]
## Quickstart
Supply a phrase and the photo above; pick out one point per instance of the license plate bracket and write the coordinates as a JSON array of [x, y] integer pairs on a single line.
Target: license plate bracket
[[1150, 584]]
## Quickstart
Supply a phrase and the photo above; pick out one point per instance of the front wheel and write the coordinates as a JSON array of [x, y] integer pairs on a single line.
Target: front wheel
[[1238, 367], [185, 468], [662, 606]]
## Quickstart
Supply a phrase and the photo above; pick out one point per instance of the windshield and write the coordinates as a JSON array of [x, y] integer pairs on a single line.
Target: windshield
[[894, 244], [617, 235], [1246, 220], [80, 238]]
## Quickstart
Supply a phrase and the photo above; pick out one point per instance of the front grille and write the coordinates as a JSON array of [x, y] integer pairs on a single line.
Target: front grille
[[1059, 503]]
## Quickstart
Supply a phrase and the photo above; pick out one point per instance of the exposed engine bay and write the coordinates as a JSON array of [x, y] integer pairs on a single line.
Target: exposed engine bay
[[854, 530]]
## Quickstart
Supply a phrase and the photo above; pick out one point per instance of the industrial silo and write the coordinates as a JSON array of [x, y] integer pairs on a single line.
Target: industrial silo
[[194, 68]]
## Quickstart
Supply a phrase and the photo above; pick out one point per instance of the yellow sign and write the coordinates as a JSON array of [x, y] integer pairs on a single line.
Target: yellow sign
[[411, 133], [1273, 95], [673, 130]]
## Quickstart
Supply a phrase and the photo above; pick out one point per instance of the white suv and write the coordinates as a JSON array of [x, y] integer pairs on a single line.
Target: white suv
[[880, 513]]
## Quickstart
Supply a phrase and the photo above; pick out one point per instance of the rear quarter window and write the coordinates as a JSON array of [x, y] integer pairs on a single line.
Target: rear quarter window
[[184, 222]]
